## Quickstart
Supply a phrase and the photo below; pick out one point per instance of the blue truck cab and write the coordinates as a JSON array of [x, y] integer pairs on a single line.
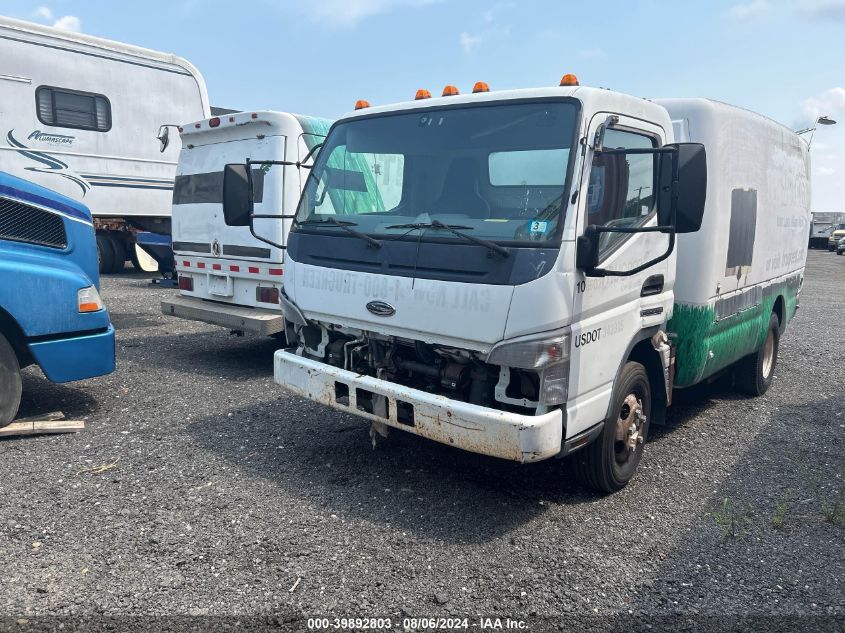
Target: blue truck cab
[[51, 313]]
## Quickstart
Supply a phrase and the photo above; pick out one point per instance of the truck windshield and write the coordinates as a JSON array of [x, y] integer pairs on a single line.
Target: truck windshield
[[497, 172]]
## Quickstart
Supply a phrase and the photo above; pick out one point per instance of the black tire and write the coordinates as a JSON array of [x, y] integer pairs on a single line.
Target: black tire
[[10, 383], [105, 253], [754, 373], [119, 254], [609, 463]]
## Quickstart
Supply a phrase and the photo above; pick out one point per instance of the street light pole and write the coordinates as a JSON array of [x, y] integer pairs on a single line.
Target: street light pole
[[822, 120]]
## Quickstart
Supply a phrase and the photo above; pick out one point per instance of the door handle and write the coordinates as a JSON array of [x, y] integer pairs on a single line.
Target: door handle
[[652, 286]]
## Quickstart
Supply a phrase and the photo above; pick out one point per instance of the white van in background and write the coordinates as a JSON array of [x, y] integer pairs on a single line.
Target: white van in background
[[80, 115], [230, 275]]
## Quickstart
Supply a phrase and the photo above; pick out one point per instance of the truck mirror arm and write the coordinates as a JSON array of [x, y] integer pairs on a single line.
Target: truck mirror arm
[[603, 272], [591, 235], [251, 202]]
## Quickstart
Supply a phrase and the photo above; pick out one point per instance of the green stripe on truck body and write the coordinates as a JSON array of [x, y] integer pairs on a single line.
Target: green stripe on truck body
[[706, 344]]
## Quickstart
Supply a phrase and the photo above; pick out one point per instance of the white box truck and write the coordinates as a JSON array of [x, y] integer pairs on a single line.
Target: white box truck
[[80, 115], [530, 273], [230, 272]]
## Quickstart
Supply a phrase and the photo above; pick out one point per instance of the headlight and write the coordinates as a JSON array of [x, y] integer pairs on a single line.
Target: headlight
[[534, 354], [88, 299], [548, 356]]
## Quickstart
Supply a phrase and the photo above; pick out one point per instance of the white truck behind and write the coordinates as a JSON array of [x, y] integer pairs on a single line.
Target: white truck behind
[[543, 267], [227, 275]]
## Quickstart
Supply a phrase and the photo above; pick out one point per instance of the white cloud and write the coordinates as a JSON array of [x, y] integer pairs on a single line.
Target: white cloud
[[824, 9], [748, 10], [348, 13], [43, 13], [489, 28], [469, 42], [827, 157], [829, 103], [68, 23], [592, 53]]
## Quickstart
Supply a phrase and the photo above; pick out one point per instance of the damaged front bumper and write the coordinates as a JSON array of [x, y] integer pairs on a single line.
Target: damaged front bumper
[[521, 438]]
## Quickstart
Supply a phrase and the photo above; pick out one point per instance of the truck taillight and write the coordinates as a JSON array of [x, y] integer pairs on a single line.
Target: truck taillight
[[214, 122], [266, 294], [186, 283]]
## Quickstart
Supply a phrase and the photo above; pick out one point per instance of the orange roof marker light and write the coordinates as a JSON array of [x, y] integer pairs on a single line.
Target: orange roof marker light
[[361, 104], [422, 93], [451, 91], [569, 80], [480, 86]]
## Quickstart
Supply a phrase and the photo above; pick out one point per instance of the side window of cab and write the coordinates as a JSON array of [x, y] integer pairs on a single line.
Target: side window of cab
[[621, 187]]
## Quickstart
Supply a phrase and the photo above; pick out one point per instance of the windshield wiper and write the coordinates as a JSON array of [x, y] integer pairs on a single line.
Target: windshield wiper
[[438, 225], [346, 226]]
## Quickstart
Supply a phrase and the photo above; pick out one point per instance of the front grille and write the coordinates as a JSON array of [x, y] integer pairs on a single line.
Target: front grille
[[22, 223]]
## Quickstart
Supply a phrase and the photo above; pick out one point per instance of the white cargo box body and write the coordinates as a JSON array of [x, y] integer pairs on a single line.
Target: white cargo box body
[[752, 245]]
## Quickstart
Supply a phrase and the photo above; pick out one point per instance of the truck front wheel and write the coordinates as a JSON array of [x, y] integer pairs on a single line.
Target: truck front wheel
[[10, 383], [609, 463], [754, 373]]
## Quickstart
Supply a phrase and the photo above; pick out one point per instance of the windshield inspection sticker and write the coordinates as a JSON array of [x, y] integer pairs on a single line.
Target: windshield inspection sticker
[[537, 226]]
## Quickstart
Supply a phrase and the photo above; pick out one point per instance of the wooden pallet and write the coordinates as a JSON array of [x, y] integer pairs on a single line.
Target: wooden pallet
[[41, 425]]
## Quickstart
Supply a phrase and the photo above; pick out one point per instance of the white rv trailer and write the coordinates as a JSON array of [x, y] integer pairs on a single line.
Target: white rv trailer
[[80, 115], [545, 268], [227, 275]]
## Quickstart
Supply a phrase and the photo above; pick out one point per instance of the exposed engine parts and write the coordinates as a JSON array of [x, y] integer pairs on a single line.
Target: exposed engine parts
[[458, 374]]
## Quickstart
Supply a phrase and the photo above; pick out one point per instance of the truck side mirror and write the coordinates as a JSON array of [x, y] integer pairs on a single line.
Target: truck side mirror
[[236, 195], [682, 194], [163, 137]]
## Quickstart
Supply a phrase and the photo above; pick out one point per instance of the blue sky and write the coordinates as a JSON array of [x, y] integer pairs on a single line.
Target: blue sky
[[784, 58]]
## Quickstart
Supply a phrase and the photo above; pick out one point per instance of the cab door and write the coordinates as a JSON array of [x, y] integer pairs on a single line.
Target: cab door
[[611, 314]]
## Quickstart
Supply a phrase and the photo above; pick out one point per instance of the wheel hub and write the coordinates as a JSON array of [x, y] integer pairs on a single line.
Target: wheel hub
[[630, 427]]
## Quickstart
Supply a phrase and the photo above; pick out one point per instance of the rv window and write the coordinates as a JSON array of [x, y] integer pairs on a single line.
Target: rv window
[[73, 109]]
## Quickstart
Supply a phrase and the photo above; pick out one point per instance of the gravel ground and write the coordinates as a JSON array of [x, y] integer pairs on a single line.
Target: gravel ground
[[228, 496]]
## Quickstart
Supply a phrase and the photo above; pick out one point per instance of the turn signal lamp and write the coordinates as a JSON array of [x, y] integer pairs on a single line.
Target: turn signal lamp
[[186, 283], [88, 300], [422, 93], [480, 86], [450, 91], [361, 104], [569, 80]]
